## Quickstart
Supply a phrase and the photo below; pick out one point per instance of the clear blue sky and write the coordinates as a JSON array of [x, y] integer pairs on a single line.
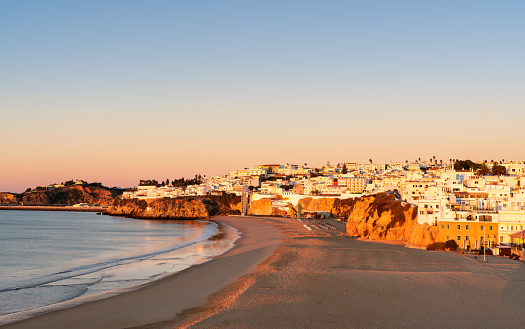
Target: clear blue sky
[[117, 91]]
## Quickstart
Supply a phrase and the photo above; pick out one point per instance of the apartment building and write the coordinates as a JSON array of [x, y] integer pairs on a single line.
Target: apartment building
[[469, 234]]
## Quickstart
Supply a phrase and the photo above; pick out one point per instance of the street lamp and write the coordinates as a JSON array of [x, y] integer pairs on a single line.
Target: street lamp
[[484, 245]]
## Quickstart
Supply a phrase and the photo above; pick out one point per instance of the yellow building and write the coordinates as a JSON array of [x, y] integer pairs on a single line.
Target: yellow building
[[510, 222], [468, 234]]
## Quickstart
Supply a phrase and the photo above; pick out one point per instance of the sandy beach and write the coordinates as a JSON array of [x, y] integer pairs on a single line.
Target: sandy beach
[[282, 276], [164, 298]]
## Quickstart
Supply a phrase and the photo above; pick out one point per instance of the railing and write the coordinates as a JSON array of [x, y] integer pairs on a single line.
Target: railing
[[486, 211]]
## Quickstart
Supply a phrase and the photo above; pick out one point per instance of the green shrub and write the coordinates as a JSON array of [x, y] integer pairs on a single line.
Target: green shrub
[[437, 246], [451, 245]]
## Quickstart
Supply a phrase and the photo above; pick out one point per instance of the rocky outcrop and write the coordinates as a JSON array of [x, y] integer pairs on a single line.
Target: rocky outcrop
[[229, 204], [70, 195], [166, 208], [381, 217], [8, 198], [311, 204], [264, 207], [336, 207], [63, 196]]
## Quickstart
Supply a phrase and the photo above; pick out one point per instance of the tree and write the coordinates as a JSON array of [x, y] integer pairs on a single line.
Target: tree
[[483, 170], [499, 170], [344, 170], [466, 165], [370, 161], [451, 245]]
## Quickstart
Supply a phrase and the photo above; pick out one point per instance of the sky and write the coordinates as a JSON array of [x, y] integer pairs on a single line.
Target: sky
[[118, 91]]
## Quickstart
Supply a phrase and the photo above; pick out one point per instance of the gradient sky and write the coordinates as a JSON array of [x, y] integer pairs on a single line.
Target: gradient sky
[[118, 91]]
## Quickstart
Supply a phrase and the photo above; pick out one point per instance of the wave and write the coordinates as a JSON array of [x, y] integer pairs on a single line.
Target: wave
[[209, 231]]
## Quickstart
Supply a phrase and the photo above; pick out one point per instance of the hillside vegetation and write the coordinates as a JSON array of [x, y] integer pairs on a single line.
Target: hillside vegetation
[[63, 196]]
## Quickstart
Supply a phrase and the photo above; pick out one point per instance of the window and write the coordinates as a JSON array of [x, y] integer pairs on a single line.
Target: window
[[459, 237], [459, 228], [466, 227], [466, 238], [442, 226], [490, 227], [447, 237], [447, 227], [481, 227]]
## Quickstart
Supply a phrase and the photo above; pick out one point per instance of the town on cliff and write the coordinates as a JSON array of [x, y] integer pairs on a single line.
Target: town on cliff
[[476, 204]]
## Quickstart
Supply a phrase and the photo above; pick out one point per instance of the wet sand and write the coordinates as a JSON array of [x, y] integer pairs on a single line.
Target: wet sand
[[316, 279], [163, 299]]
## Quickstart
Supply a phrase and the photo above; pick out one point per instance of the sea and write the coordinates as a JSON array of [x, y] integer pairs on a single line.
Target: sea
[[51, 259]]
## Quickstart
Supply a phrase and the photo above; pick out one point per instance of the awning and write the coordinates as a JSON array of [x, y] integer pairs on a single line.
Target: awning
[[519, 235]]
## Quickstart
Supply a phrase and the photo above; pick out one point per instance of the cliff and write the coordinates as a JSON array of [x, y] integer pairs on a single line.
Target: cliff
[[71, 195], [265, 207], [377, 217], [381, 217], [276, 206], [179, 208], [229, 204], [65, 196], [8, 198]]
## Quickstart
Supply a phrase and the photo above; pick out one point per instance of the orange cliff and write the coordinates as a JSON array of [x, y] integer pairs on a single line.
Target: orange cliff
[[381, 217], [376, 217], [176, 208]]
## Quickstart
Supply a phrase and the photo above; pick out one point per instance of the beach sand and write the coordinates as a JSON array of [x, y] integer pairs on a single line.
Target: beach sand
[[323, 279], [314, 279], [163, 299]]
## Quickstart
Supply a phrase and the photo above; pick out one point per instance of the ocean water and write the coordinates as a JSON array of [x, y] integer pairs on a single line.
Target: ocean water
[[50, 260]]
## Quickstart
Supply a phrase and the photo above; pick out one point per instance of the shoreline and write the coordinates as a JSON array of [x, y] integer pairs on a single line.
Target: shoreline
[[162, 299], [282, 275], [55, 208]]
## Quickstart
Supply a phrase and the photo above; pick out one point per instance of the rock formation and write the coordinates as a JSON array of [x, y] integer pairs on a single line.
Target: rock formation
[[376, 217], [179, 208], [311, 204], [70, 195], [381, 217], [229, 204], [264, 207], [8, 198], [64, 196]]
